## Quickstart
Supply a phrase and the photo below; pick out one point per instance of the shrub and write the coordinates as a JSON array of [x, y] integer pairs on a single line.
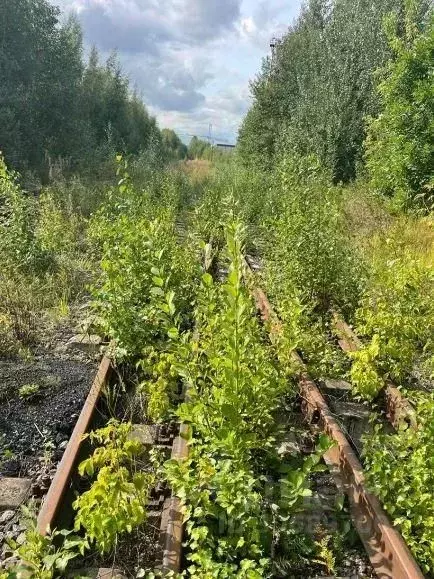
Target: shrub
[[306, 239], [233, 518], [148, 276], [117, 499], [18, 217], [396, 311], [399, 144], [400, 470], [310, 262]]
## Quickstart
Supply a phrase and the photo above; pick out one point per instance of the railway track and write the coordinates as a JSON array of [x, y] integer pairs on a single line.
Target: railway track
[[164, 510], [387, 551], [398, 409]]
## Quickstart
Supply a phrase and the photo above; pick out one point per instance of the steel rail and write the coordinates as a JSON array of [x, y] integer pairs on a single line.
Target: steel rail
[[61, 481], [389, 555], [172, 550], [398, 408], [174, 532]]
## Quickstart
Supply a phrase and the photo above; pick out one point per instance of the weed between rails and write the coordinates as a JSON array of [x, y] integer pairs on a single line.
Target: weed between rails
[[236, 516], [151, 293]]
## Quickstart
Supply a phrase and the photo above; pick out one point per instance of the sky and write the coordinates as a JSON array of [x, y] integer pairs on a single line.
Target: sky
[[191, 60]]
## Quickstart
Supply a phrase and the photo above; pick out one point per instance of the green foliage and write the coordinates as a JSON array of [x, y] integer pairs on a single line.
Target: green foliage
[[325, 555], [233, 390], [247, 187], [147, 282], [309, 241], [173, 147], [199, 149], [310, 263], [400, 470], [234, 377], [396, 311], [116, 502], [43, 247], [29, 390], [162, 382], [313, 94], [364, 370], [41, 557], [18, 217], [41, 68], [400, 140], [60, 113]]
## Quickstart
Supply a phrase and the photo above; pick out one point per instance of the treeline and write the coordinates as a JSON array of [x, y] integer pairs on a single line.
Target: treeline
[[352, 83], [196, 149], [56, 109]]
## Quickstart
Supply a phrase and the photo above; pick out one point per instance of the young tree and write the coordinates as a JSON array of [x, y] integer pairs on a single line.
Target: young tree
[[173, 147], [400, 141], [313, 95]]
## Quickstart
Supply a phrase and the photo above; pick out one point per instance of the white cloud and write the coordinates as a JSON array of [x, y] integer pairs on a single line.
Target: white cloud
[[190, 59]]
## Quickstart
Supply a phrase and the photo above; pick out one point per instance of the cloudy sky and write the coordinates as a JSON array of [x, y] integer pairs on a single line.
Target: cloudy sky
[[191, 60]]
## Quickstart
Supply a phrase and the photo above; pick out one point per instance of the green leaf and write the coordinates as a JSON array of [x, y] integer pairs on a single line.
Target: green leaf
[[207, 279], [157, 291], [173, 333]]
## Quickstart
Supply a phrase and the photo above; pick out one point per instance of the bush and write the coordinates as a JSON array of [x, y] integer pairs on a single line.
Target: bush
[[400, 142], [310, 264], [18, 217], [44, 249], [147, 281], [306, 240], [235, 515], [400, 470], [396, 311]]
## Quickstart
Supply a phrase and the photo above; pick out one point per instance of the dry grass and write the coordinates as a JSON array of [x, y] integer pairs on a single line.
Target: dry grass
[[197, 169]]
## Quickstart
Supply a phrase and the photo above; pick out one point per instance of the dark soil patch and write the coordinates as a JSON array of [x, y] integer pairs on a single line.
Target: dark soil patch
[[37, 425], [140, 549]]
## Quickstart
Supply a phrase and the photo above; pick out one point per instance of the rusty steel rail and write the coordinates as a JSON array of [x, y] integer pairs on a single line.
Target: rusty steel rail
[[387, 550], [173, 534], [172, 552], [398, 408], [62, 478]]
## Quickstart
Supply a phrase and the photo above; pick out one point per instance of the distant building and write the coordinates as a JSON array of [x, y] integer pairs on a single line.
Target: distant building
[[224, 147]]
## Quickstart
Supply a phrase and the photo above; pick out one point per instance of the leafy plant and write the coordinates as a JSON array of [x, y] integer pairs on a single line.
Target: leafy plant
[[41, 556], [116, 502], [234, 387], [147, 275], [309, 261], [325, 554], [29, 390], [18, 215], [364, 370], [315, 90], [396, 311], [399, 469], [399, 141]]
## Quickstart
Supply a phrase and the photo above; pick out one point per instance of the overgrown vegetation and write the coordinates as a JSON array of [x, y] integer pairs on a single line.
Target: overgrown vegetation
[[46, 262], [400, 141], [396, 309], [116, 501], [60, 113], [314, 94], [234, 389], [143, 262], [400, 471], [347, 94]]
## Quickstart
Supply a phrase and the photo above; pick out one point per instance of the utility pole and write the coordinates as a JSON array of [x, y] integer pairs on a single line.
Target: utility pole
[[273, 43]]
